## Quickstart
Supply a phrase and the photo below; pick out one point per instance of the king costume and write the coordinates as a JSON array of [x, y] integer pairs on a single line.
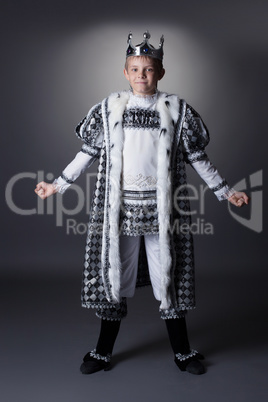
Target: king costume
[[142, 145]]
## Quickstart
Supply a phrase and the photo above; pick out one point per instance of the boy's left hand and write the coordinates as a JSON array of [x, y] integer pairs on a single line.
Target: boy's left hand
[[239, 198]]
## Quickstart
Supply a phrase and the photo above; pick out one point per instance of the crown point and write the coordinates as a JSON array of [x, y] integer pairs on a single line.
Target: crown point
[[146, 35]]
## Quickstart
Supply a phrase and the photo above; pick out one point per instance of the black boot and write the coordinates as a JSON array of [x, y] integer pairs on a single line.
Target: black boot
[[99, 358], [185, 358], [93, 362], [190, 362]]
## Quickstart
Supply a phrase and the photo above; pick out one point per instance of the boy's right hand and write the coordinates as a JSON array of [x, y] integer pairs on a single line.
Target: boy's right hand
[[44, 190]]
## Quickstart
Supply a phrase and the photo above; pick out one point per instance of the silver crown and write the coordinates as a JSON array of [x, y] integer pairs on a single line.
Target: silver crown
[[145, 48]]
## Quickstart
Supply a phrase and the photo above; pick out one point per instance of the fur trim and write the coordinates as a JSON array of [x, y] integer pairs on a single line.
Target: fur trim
[[167, 107], [114, 143]]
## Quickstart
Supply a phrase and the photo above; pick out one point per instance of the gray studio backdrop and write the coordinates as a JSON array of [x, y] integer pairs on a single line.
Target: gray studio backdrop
[[59, 58], [62, 57]]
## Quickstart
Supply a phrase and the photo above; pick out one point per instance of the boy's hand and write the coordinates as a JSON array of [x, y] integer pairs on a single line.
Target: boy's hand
[[239, 199], [44, 190]]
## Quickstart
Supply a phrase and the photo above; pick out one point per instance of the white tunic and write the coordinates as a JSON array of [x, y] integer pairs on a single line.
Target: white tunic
[[140, 149]]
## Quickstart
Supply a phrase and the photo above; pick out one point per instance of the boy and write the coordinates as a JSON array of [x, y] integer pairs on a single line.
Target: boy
[[142, 139]]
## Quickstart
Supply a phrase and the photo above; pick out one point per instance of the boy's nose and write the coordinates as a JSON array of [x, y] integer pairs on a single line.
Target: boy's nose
[[142, 74]]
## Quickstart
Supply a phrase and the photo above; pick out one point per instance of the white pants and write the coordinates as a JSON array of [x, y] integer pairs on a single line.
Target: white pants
[[129, 252]]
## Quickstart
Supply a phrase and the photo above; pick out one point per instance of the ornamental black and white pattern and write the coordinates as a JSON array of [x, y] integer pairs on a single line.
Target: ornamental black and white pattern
[[195, 136], [172, 313], [182, 357], [220, 186], [91, 126], [139, 195], [138, 219], [140, 181], [96, 289], [115, 312], [86, 149], [97, 356], [141, 118], [182, 242], [64, 177], [93, 292]]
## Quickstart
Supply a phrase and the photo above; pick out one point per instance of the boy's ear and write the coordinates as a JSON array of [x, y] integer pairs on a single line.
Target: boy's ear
[[126, 74], [161, 75]]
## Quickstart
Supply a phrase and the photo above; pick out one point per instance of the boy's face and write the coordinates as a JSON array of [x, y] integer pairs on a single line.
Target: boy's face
[[142, 75]]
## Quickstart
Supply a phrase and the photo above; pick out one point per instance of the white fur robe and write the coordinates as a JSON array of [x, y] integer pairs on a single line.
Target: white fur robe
[[101, 282]]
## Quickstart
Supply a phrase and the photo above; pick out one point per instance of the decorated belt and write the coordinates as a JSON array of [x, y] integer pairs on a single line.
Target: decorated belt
[[139, 195]]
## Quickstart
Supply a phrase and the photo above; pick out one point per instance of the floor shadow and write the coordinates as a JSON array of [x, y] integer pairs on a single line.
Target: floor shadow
[[153, 346]]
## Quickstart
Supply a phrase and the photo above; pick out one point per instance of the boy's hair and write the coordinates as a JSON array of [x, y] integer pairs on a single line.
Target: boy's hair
[[158, 65]]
